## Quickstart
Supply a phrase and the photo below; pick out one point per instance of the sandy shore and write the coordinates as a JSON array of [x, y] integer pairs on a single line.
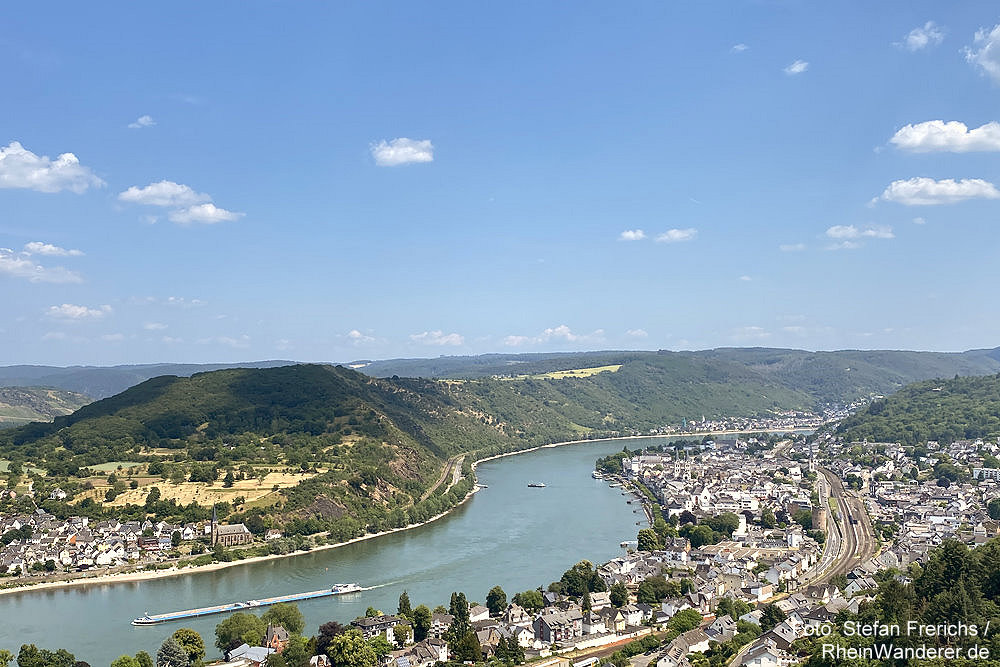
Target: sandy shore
[[127, 577]]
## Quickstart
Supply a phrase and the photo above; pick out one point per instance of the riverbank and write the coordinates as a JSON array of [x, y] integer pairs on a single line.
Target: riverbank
[[142, 575]]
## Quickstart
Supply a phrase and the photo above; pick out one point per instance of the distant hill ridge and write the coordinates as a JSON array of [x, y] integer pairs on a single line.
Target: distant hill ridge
[[827, 377]]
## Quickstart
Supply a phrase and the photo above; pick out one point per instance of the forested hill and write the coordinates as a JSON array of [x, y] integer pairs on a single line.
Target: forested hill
[[104, 381], [941, 410], [308, 406], [838, 377]]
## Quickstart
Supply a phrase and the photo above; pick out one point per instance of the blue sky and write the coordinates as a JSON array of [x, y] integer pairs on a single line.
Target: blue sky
[[338, 181]]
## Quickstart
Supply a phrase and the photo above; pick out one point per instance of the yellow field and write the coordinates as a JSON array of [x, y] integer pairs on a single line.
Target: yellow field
[[575, 373], [257, 493]]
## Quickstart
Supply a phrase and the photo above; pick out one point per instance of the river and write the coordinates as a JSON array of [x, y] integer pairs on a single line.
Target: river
[[507, 534]]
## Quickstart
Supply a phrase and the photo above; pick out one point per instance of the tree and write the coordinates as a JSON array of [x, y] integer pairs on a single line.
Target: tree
[[701, 535], [993, 508], [327, 632], [175, 539], [515, 652], [724, 523], [275, 660], [144, 659], [467, 648], [735, 608], [125, 661], [400, 633], [380, 645], [648, 540], [32, 656], [459, 610], [771, 617], [238, 629], [404, 608], [654, 589], [579, 578], [619, 595], [422, 620], [685, 620], [171, 654], [803, 518], [349, 649], [6, 657], [585, 604], [298, 651], [372, 612], [191, 642], [531, 600], [496, 601], [287, 615], [229, 480], [686, 517]]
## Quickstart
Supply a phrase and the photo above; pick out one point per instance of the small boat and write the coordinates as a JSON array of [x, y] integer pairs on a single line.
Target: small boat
[[596, 475], [536, 485], [341, 589]]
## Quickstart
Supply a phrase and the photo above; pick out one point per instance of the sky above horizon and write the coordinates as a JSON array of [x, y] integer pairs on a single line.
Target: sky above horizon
[[209, 182]]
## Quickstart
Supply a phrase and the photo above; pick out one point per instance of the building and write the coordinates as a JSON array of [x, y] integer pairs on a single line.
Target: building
[[229, 535]]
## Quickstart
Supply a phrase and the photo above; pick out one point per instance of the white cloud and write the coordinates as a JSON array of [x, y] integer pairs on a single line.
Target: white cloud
[[750, 333], [437, 338], [792, 247], [241, 342], [953, 136], [283, 345], [987, 55], [797, 67], [164, 193], [637, 333], [142, 121], [400, 151], [852, 232], [739, 48], [39, 248], [632, 235], [918, 39], [69, 311], [677, 235], [19, 265], [844, 245], [919, 221], [20, 168], [928, 192], [208, 214], [183, 302], [113, 338], [358, 337], [746, 279], [170, 340], [189, 206], [560, 333], [154, 326]]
